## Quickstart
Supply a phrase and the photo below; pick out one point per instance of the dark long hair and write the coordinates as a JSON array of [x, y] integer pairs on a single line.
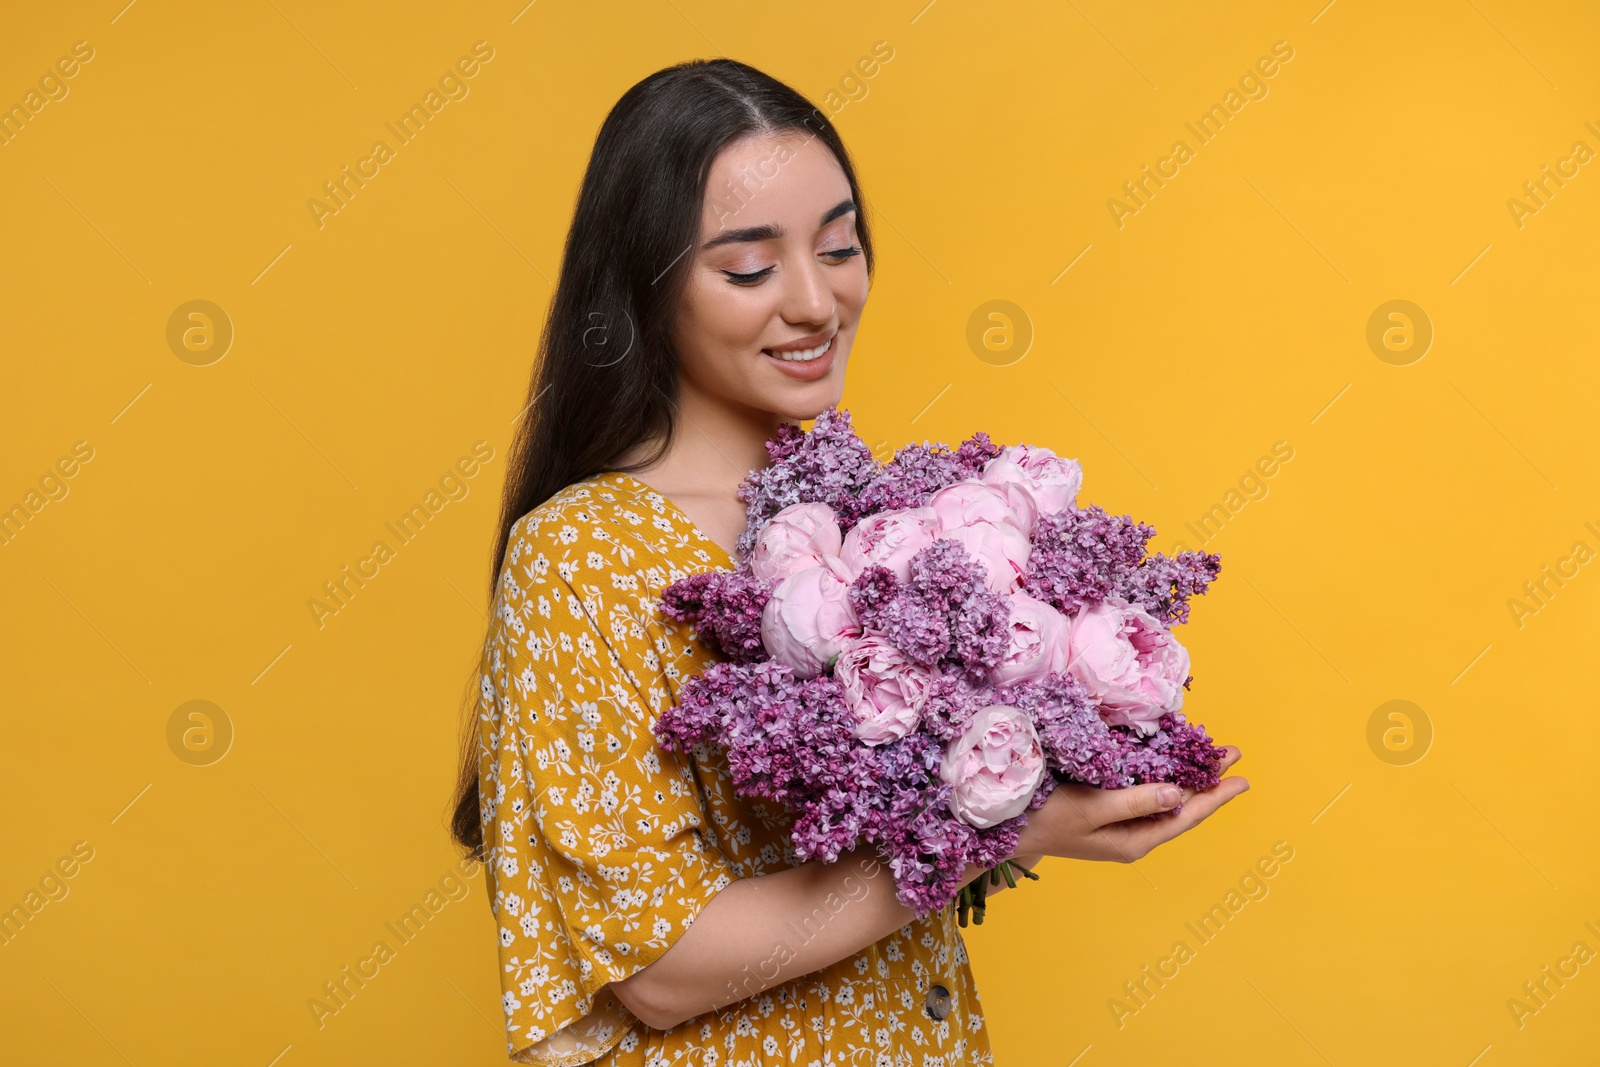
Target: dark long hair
[[605, 380]]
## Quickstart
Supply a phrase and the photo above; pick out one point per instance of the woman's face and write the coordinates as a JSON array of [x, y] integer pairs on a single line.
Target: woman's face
[[777, 273]]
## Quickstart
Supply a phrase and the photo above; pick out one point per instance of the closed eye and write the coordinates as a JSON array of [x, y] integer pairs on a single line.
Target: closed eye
[[837, 255]]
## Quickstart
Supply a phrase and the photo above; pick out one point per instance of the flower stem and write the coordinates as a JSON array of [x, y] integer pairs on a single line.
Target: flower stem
[[972, 896]]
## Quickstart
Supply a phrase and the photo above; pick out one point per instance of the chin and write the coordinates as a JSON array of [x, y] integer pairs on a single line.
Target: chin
[[805, 402], [795, 400]]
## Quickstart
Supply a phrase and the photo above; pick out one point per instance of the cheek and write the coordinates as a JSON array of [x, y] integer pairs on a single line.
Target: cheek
[[850, 287], [720, 322]]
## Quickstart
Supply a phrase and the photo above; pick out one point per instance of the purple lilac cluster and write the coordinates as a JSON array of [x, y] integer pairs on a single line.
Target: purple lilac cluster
[[792, 736], [1082, 556], [828, 464], [944, 616]]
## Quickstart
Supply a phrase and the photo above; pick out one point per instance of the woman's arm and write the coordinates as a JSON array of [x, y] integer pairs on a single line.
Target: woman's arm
[[761, 932], [764, 931]]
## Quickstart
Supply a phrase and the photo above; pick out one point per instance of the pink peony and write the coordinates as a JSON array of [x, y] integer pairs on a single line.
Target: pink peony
[[883, 688], [889, 539], [1000, 547], [799, 536], [971, 501], [1129, 661], [809, 620], [1038, 642], [994, 766], [1053, 481]]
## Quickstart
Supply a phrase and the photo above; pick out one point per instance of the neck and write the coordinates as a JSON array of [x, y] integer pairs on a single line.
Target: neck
[[715, 444]]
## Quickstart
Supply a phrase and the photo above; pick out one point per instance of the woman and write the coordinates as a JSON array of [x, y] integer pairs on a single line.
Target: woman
[[711, 288]]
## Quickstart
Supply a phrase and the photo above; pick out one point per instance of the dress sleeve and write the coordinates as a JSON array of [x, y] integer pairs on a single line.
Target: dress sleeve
[[598, 851]]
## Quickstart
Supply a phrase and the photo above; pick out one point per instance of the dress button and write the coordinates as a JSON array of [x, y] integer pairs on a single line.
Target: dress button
[[938, 1002]]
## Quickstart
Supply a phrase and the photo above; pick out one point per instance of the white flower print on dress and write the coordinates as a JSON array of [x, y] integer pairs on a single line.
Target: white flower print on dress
[[603, 847]]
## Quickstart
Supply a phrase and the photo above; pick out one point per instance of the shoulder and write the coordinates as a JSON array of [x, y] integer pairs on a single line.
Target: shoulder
[[579, 595], [583, 508], [607, 522]]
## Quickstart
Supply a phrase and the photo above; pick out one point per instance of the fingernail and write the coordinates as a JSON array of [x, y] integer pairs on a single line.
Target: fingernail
[[1169, 795]]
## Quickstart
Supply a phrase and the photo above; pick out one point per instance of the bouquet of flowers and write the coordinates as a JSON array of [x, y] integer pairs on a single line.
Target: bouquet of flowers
[[918, 651]]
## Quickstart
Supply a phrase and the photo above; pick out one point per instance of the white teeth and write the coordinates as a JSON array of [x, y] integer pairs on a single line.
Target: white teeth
[[803, 355]]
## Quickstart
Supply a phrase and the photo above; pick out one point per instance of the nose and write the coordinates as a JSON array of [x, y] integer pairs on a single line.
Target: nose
[[808, 298]]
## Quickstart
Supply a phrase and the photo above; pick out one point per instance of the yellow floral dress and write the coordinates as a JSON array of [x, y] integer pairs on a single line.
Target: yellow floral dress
[[603, 846]]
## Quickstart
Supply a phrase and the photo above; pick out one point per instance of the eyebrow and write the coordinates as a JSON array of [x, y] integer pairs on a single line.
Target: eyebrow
[[770, 231]]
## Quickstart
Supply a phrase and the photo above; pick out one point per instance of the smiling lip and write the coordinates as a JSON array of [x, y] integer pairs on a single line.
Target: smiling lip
[[803, 343], [810, 370]]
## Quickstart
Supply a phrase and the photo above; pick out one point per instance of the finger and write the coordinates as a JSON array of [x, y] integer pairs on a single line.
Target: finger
[[1231, 755], [1194, 811], [1206, 803], [1117, 805]]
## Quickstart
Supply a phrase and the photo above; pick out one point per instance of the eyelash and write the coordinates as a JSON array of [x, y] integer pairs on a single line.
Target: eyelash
[[843, 254]]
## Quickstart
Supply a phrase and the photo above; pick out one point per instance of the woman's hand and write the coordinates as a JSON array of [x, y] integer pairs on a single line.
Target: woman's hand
[[1086, 823]]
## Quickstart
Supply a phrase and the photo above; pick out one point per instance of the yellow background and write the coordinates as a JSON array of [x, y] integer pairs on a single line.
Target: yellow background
[[1229, 313]]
